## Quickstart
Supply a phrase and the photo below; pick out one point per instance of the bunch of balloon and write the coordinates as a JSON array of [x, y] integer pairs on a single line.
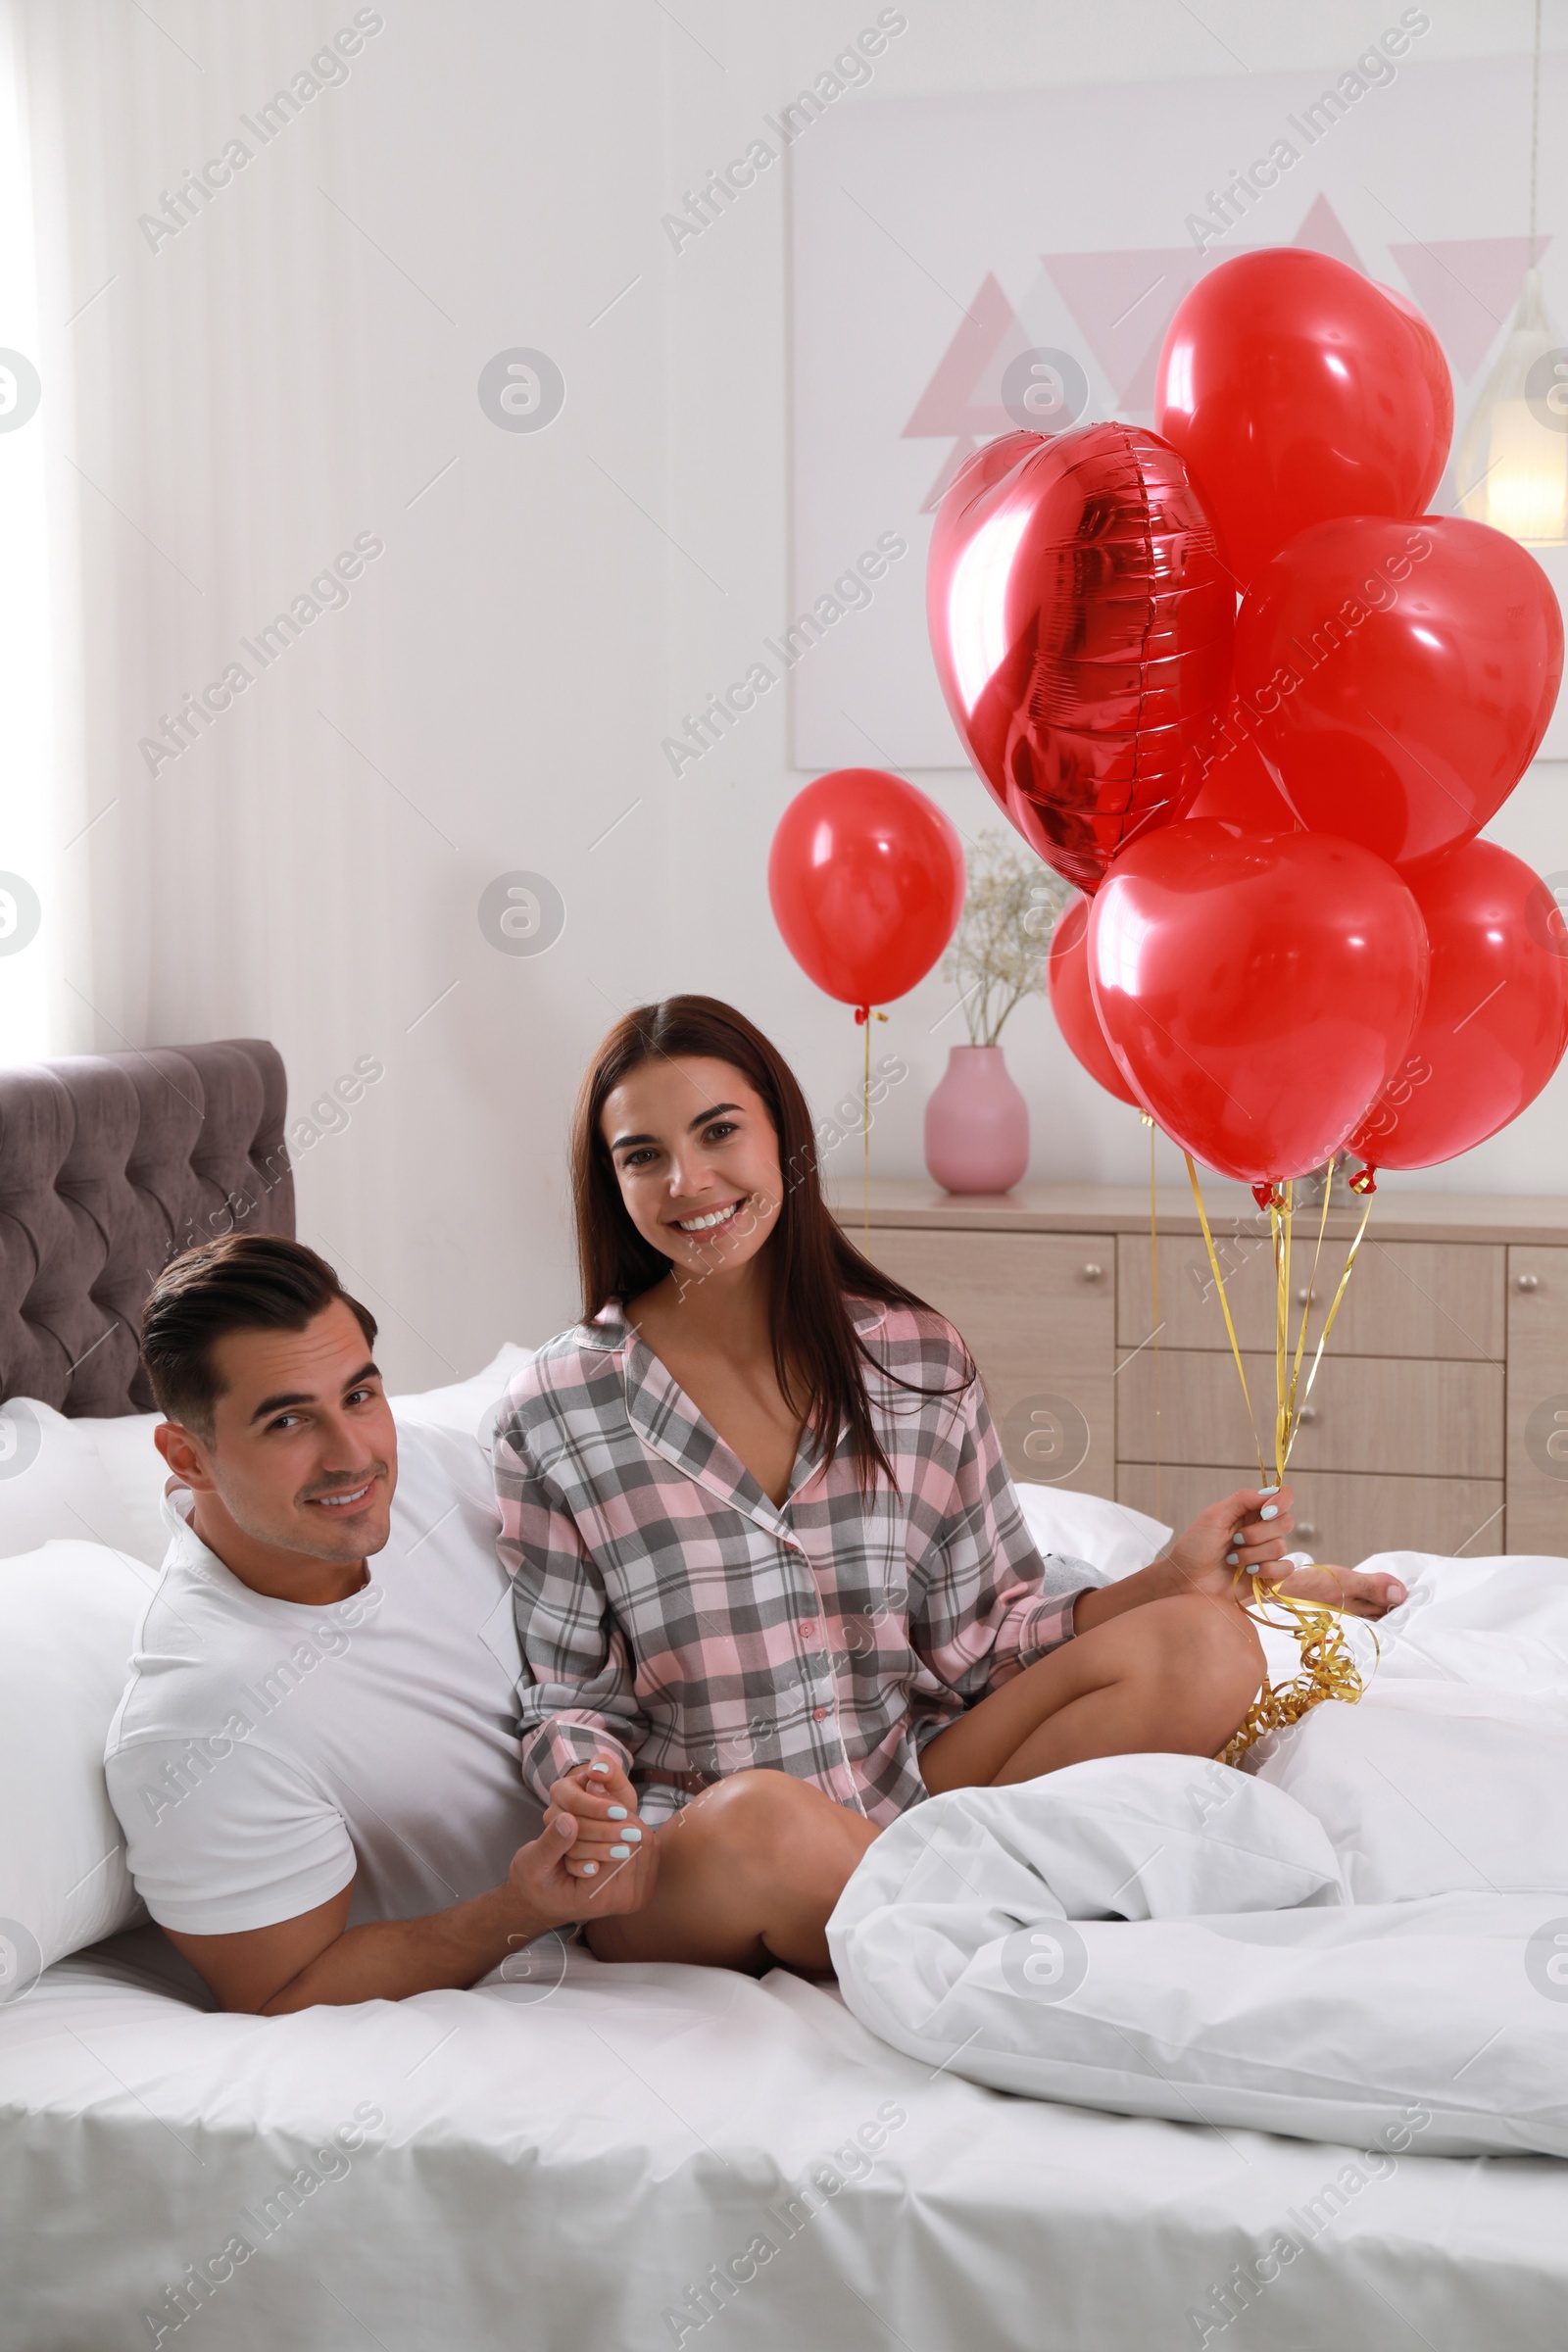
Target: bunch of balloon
[[867, 881], [1293, 946], [1392, 675]]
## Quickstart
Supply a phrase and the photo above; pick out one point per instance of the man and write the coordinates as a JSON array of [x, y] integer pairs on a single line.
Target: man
[[317, 1765]]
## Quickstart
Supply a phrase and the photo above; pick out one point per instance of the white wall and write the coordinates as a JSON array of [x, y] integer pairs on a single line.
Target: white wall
[[279, 377]]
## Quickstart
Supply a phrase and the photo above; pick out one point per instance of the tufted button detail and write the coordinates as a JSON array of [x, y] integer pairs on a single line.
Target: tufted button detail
[[113, 1163]]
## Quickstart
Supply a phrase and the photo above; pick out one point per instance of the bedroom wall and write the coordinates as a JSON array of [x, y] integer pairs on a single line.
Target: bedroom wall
[[233, 408]]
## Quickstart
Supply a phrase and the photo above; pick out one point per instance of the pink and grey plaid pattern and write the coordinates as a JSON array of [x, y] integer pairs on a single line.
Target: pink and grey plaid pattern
[[669, 1610]]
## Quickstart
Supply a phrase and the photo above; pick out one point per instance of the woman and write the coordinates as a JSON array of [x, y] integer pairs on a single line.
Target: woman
[[772, 1581]]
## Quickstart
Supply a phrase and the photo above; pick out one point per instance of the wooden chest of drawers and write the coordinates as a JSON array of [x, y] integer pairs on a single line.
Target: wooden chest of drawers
[[1438, 1420]]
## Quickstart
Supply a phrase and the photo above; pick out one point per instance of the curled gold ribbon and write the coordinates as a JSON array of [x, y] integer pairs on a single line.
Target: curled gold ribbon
[[1328, 1668]]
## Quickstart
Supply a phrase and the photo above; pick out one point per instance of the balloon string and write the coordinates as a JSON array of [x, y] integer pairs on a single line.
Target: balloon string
[[1292, 1416], [1281, 1216], [1333, 1308], [1154, 1282], [864, 1017], [866, 1132], [1328, 1668], [1225, 1308]]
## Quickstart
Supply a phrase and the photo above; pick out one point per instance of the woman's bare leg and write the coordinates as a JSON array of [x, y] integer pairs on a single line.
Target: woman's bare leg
[[1175, 1677], [747, 1874]]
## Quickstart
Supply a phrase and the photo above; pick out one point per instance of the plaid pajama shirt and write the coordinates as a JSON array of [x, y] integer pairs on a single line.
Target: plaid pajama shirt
[[670, 1611]]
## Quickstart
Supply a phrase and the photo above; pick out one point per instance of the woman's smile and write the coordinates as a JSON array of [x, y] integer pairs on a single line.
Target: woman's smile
[[711, 1220]]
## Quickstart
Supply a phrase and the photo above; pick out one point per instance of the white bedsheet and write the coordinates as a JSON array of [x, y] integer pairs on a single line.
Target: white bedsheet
[[558, 2174], [1372, 1928], [563, 2161]]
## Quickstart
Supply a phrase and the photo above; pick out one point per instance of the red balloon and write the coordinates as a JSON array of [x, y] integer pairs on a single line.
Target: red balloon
[[1296, 391], [867, 882], [1072, 1002], [1238, 788], [1402, 674], [1432, 359], [1256, 993], [1495, 1023], [1082, 630]]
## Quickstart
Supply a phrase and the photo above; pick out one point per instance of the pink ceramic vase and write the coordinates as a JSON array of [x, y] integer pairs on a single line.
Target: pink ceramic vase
[[976, 1125]]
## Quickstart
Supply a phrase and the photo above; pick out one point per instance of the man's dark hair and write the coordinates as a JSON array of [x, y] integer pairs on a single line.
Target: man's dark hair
[[245, 1282]]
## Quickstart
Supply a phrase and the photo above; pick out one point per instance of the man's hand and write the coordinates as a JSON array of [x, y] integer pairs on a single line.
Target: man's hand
[[318, 1958], [602, 1851]]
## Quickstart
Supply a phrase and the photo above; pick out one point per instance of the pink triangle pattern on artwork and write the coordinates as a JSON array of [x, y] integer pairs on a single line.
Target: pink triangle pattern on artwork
[[1467, 287], [943, 408], [1122, 304], [1323, 232]]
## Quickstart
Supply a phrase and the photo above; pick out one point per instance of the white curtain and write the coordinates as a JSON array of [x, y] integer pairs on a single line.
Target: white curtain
[[42, 810], [240, 408]]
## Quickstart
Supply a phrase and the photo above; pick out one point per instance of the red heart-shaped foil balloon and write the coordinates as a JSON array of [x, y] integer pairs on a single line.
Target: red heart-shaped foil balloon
[[1081, 626]]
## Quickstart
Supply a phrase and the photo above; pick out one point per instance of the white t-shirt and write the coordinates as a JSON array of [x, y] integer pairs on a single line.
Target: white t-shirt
[[265, 1752]]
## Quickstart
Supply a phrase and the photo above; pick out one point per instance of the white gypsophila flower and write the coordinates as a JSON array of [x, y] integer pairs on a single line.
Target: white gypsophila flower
[[997, 955]]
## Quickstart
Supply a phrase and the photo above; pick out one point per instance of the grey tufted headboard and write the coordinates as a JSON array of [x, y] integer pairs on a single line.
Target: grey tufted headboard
[[110, 1164]]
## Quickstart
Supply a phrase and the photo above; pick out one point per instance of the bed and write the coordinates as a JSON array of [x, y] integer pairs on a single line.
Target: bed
[[570, 2156]]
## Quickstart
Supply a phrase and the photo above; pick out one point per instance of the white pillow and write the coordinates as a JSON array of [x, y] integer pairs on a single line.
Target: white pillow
[[97, 1480], [68, 1615], [103, 1481], [1110, 1535], [469, 1406]]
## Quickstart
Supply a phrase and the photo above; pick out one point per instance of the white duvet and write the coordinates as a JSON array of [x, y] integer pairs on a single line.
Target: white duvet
[[1362, 1938]]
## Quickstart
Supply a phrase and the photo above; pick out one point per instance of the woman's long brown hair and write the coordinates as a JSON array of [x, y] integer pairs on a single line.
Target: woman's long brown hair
[[814, 1271]]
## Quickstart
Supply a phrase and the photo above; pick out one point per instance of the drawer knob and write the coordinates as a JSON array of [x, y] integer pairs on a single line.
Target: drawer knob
[[1305, 1530], [1527, 1282], [1304, 1296], [1306, 1416], [1091, 1272]]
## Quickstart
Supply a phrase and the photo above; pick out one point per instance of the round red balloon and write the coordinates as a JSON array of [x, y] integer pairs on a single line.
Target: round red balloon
[[1073, 1003], [1495, 1023], [1296, 391], [1082, 629], [1432, 361], [1402, 674], [1258, 993], [867, 882]]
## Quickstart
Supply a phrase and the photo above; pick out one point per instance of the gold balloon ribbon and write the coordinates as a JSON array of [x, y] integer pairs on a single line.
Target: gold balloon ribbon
[[1293, 1415], [1225, 1309], [1328, 1668], [1154, 1284], [865, 1015], [1334, 1307]]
